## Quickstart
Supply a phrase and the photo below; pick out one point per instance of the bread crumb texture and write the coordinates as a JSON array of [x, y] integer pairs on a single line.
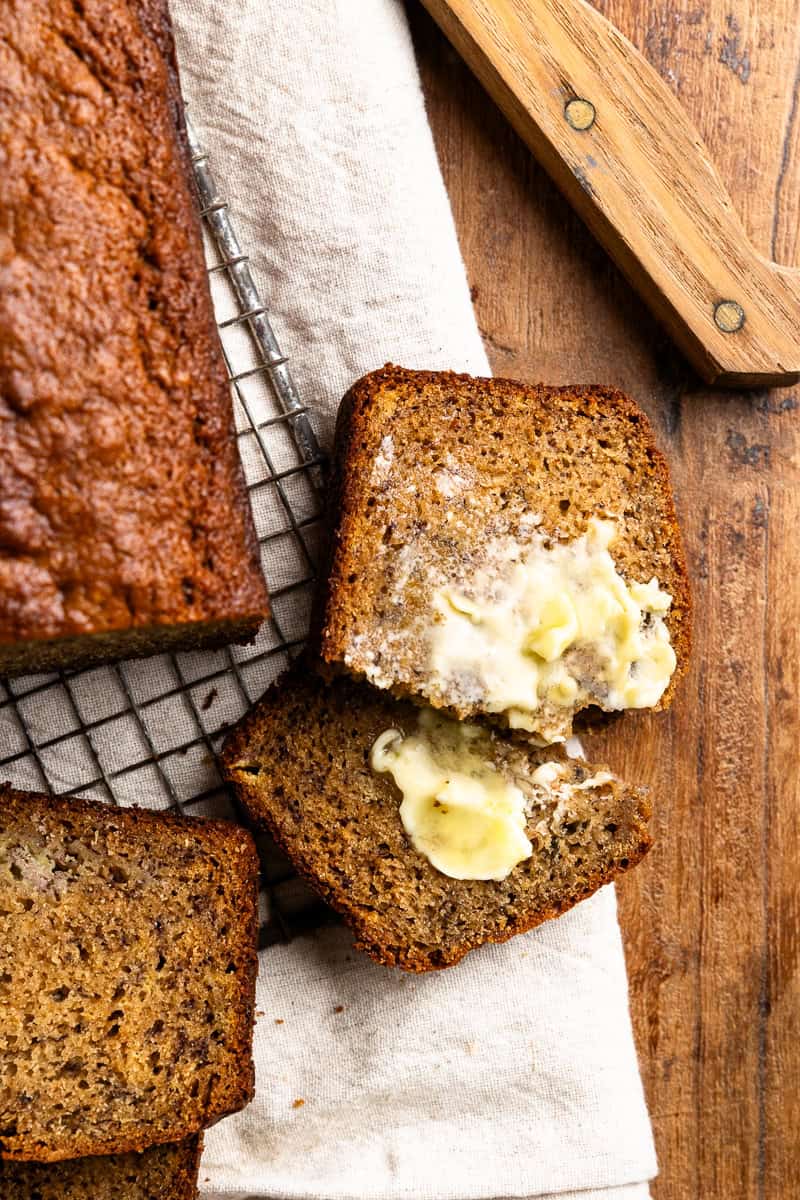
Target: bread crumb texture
[[435, 472], [161, 1173], [127, 976], [300, 765]]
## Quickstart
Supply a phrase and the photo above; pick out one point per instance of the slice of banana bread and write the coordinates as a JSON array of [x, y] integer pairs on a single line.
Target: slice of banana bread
[[301, 764], [161, 1173], [127, 976], [125, 524], [503, 549]]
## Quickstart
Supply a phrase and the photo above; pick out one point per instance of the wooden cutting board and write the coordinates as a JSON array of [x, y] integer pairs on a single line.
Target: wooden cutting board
[[712, 919]]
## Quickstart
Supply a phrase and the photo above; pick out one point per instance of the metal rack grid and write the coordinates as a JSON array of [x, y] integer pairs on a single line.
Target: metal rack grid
[[147, 731]]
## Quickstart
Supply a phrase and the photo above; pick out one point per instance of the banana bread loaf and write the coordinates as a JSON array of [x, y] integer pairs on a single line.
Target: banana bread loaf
[[161, 1173], [503, 550], [125, 526], [127, 976], [306, 764]]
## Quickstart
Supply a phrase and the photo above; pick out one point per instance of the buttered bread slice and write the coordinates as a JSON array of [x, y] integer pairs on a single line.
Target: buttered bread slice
[[504, 550], [430, 836]]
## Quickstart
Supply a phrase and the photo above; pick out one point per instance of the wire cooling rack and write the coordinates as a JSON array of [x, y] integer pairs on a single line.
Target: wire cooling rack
[[147, 732]]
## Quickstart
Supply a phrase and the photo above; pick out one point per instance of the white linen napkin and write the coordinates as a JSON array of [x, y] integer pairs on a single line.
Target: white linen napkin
[[513, 1074]]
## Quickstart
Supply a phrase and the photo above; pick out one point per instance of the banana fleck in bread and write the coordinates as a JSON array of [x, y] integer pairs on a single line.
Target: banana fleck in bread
[[161, 1173], [127, 976], [125, 526], [300, 764], [503, 549]]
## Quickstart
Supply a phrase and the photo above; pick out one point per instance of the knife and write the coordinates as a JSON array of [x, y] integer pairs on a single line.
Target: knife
[[623, 151]]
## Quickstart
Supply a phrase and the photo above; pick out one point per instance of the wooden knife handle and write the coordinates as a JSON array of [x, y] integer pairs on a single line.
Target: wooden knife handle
[[620, 146]]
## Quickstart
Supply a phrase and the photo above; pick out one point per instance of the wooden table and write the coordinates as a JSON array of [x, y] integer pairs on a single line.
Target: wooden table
[[711, 919]]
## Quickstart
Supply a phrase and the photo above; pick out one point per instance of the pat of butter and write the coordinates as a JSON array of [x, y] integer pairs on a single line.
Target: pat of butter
[[553, 626], [457, 809]]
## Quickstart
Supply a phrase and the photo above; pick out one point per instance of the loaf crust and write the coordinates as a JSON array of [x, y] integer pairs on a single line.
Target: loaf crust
[[162, 1173], [299, 765], [563, 453], [125, 526], [127, 976]]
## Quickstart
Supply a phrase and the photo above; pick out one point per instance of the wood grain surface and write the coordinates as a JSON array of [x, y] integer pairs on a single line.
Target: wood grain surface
[[712, 919]]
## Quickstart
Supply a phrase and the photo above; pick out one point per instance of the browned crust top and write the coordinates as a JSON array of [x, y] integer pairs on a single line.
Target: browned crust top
[[122, 498]]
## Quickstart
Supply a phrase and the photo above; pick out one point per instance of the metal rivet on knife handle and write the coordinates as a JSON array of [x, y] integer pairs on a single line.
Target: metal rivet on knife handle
[[729, 316], [580, 114]]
